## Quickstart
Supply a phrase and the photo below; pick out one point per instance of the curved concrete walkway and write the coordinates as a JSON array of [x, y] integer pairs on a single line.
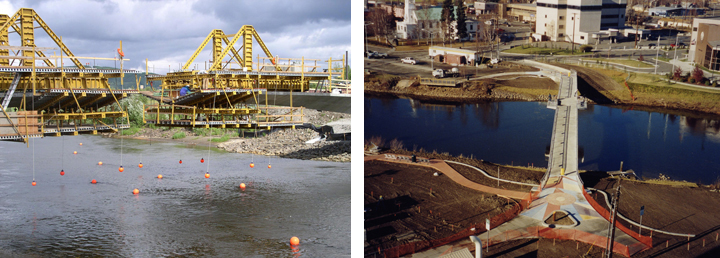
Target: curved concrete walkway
[[453, 175]]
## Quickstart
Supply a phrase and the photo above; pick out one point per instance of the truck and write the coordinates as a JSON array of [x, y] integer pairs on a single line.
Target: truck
[[408, 60], [440, 73]]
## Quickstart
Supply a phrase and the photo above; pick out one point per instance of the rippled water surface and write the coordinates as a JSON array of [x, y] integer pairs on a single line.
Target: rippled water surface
[[650, 143], [182, 214]]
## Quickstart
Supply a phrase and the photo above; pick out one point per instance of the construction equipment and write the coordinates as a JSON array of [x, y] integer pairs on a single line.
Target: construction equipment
[[52, 99], [223, 96]]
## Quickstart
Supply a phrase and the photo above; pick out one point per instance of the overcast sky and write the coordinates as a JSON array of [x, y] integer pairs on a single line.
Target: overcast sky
[[168, 32]]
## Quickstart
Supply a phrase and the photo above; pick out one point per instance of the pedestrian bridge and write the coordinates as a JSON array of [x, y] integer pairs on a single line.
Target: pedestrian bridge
[[561, 208]]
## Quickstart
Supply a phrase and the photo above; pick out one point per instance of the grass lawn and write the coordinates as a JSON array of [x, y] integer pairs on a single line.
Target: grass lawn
[[665, 59], [628, 62]]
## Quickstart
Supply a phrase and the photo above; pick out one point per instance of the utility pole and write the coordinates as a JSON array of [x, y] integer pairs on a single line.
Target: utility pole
[[657, 54], [611, 231], [637, 27], [572, 52]]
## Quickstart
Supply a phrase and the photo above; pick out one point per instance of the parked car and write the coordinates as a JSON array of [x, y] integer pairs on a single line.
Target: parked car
[[380, 55], [408, 60]]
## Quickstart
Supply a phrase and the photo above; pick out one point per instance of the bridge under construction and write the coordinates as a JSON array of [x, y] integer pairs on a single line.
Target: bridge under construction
[[49, 99]]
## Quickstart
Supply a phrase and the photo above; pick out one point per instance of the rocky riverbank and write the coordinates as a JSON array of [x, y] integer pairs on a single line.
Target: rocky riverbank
[[285, 143]]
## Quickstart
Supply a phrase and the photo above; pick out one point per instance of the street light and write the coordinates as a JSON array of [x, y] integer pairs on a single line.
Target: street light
[[366, 41]]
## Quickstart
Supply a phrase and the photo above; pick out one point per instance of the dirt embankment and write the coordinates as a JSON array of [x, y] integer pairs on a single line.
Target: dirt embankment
[[516, 88], [600, 87], [405, 203]]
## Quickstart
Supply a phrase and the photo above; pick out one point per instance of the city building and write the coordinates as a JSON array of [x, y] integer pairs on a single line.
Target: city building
[[578, 21], [521, 12], [705, 43], [453, 56]]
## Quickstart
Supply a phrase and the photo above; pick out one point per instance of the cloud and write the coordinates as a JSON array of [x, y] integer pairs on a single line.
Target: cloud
[[168, 32]]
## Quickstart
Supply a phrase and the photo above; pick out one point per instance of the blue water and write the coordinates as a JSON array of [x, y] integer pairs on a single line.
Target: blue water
[[650, 143], [183, 214]]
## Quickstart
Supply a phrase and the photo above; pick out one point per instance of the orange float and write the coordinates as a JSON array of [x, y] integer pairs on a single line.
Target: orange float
[[252, 165], [180, 161], [140, 165], [121, 169], [207, 175], [81, 144], [74, 152], [159, 176], [269, 166], [62, 172], [93, 181], [100, 163], [202, 160], [294, 241], [242, 186], [33, 183], [136, 191]]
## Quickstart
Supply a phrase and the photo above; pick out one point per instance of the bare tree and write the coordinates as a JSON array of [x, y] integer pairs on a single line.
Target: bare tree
[[382, 24]]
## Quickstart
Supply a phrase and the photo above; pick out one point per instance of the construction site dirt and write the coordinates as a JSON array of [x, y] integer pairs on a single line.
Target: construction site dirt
[[678, 209]]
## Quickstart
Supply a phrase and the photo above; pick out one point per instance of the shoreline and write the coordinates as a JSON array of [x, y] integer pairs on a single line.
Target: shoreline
[[283, 143]]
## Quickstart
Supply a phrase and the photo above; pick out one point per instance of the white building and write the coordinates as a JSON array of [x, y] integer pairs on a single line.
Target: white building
[[406, 27], [579, 21]]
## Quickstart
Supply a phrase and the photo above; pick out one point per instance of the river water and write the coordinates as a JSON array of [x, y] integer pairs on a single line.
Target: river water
[[650, 143], [183, 214]]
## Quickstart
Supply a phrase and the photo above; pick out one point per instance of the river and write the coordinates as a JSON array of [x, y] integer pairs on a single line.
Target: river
[[182, 214], [518, 133]]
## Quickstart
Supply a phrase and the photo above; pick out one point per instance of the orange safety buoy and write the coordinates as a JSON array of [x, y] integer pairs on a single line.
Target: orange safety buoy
[[159, 176], [180, 161], [121, 169], [74, 152], [136, 191], [81, 144], [140, 165], [93, 181], [33, 183], [207, 175], [269, 166], [294, 241], [100, 163], [202, 160], [242, 186], [62, 172], [252, 165]]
